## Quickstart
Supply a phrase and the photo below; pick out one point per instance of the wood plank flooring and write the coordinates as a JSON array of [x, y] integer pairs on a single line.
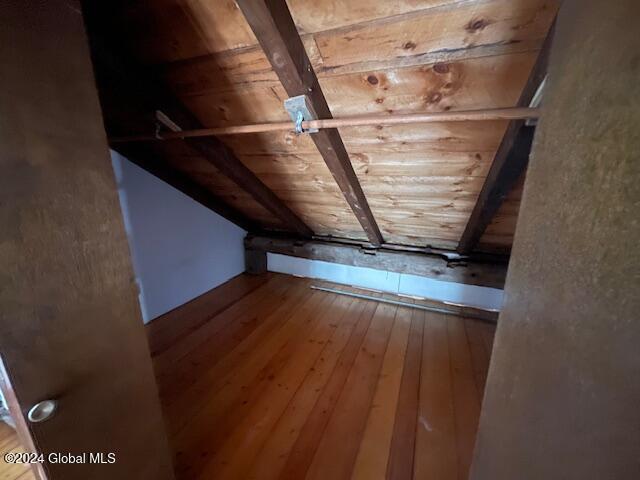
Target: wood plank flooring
[[9, 442], [169, 328], [280, 381]]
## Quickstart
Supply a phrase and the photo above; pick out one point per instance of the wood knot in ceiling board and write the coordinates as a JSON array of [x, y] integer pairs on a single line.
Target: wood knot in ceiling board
[[441, 68], [360, 157], [433, 97], [440, 81], [409, 45], [372, 79], [472, 169], [377, 80], [476, 25]]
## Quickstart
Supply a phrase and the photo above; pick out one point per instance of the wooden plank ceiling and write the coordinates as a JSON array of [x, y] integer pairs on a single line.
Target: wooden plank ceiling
[[421, 181]]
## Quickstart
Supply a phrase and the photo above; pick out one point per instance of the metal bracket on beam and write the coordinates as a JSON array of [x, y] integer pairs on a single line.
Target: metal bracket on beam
[[300, 110], [163, 120]]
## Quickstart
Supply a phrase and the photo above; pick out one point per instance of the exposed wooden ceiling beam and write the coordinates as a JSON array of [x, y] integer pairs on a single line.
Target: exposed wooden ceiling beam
[[148, 161], [275, 29], [225, 161], [510, 161], [113, 69], [486, 271]]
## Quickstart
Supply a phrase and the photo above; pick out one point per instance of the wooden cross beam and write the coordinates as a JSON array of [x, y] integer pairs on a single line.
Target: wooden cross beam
[[273, 25], [510, 161], [124, 79]]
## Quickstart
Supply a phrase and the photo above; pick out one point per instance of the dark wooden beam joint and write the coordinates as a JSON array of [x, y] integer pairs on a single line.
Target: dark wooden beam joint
[[427, 265], [255, 261], [275, 29], [510, 161]]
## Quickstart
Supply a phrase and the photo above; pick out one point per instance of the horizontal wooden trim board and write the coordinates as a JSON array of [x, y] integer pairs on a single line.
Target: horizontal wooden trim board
[[432, 266], [417, 303], [471, 297], [517, 113]]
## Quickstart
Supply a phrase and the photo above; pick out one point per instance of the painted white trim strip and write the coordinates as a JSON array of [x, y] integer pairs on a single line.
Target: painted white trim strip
[[399, 283]]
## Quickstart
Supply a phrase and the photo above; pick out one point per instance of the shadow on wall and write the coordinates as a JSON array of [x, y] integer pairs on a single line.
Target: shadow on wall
[[179, 248]]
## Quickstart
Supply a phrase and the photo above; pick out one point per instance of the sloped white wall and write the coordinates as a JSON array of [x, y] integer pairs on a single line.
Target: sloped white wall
[[180, 249]]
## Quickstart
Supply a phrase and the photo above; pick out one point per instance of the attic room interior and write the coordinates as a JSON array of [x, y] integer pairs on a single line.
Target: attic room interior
[[295, 239]]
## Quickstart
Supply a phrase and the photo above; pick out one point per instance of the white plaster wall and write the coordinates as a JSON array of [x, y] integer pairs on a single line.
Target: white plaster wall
[[405, 284], [179, 248]]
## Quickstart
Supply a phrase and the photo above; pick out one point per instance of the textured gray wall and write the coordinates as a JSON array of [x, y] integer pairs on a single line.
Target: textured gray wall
[[563, 393]]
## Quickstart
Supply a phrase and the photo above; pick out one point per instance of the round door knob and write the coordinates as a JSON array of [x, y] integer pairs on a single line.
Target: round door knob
[[42, 411]]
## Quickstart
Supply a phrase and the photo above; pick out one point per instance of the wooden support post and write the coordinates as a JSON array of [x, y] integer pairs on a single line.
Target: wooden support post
[[255, 261], [510, 161], [272, 24], [563, 390], [121, 82]]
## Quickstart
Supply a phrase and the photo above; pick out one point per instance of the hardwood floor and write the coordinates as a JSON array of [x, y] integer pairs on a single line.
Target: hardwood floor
[[285, 382], [9, 442]]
